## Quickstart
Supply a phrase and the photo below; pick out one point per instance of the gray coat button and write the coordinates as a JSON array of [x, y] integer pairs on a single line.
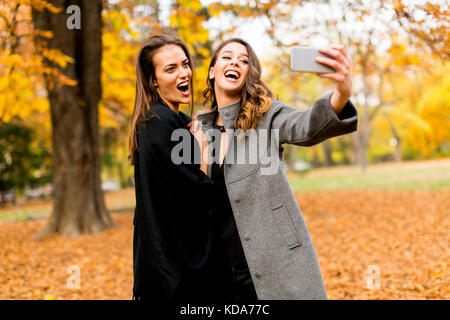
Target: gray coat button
[[227, 113], [246, 238], [257, 274], [237, 201]]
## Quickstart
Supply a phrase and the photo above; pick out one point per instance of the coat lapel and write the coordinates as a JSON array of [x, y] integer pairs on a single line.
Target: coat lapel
[[228, 115]]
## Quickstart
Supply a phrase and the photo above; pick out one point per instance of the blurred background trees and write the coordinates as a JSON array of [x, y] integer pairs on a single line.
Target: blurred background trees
[[23, 162], [399, 50]]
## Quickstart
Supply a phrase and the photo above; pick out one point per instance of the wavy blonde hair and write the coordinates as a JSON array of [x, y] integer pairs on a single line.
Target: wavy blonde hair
[[256, 97]]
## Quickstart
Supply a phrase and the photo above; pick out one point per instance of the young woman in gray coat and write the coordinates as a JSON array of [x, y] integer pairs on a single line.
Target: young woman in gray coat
[[261, 234]]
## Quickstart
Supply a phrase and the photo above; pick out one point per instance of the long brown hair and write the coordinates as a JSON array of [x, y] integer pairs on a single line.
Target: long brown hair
[[255, 96], [146, 94]]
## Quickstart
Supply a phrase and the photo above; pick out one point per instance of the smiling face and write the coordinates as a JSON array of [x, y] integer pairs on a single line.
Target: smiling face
[[173, 75], [230, 71]]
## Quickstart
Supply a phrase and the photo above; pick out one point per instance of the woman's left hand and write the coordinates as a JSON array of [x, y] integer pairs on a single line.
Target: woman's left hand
[[197, 131], [342, 77]]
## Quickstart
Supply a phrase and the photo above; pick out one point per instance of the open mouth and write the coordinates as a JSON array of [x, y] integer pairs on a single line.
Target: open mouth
[[232, 75], [184, 86]]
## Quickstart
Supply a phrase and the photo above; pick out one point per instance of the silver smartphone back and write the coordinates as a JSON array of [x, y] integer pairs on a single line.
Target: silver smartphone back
[[303, 59]]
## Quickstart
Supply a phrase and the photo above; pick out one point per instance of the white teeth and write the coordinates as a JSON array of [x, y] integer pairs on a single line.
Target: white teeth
[[183, 86], [231, 72]]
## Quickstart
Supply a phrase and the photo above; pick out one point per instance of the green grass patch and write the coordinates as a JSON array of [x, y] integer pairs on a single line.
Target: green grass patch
[[16, 215], [391, 177]]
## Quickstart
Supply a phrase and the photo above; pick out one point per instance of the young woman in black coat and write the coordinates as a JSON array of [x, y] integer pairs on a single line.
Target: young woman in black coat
[[172, 226]]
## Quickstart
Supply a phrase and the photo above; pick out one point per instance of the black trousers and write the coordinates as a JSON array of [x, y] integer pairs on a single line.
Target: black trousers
[[230, 284], [239, 284], [216, 281], [199, 286]]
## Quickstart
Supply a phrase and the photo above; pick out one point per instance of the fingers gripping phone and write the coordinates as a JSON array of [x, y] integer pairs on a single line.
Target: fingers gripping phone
[[303, 59]]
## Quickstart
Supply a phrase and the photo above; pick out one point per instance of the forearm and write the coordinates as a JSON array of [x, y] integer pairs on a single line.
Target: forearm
[[311, 126], [338, 101]]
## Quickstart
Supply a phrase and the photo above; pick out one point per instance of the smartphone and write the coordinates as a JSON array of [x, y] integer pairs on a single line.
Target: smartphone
[[303, 59]]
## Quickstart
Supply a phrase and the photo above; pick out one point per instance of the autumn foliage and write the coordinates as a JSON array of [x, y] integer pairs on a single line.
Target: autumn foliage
[[401, 88], [404, 87], [402, 236]]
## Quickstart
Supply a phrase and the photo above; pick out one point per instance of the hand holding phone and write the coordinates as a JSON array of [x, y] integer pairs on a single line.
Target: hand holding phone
[[303, 59], [337, 68]]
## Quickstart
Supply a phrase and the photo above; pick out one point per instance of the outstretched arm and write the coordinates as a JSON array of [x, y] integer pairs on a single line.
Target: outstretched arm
[[314, 125], [332, 115]]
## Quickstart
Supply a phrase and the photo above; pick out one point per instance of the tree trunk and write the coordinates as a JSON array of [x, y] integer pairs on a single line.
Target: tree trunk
[[2, 199], [398, 151], [343, 144], [315, 159], [354, 151], [326, 148], [364, 132], [78, 205], [398, 147], [290, 153], [363, 148]]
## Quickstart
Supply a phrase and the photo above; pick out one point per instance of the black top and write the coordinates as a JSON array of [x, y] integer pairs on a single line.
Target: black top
[[223, 221], [173, 222]]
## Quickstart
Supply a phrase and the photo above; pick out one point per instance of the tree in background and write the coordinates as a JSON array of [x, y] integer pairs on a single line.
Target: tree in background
[[24, 119], [126, 24], [78, 205], [22, 160], [372, 32], [365, 27], [123, 28], [400, 88], [427, 24], [187, 18]]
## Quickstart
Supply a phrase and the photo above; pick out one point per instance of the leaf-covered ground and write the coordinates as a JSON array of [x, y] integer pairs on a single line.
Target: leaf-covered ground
[[401, 235]]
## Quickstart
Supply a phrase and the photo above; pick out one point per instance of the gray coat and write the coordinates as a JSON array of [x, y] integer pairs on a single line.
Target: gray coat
[[276, 242]]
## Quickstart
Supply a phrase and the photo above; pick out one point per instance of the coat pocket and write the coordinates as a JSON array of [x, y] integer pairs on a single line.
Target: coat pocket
[[286, 227]]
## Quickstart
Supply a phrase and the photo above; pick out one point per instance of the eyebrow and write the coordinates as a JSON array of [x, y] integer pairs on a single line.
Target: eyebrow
[[241, 54], [174, 64]]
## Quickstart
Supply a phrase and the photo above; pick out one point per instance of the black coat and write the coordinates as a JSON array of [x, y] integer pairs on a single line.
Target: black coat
[[172, 220]]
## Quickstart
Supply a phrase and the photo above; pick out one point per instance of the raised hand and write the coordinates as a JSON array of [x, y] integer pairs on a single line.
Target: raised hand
[[342, 77]]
